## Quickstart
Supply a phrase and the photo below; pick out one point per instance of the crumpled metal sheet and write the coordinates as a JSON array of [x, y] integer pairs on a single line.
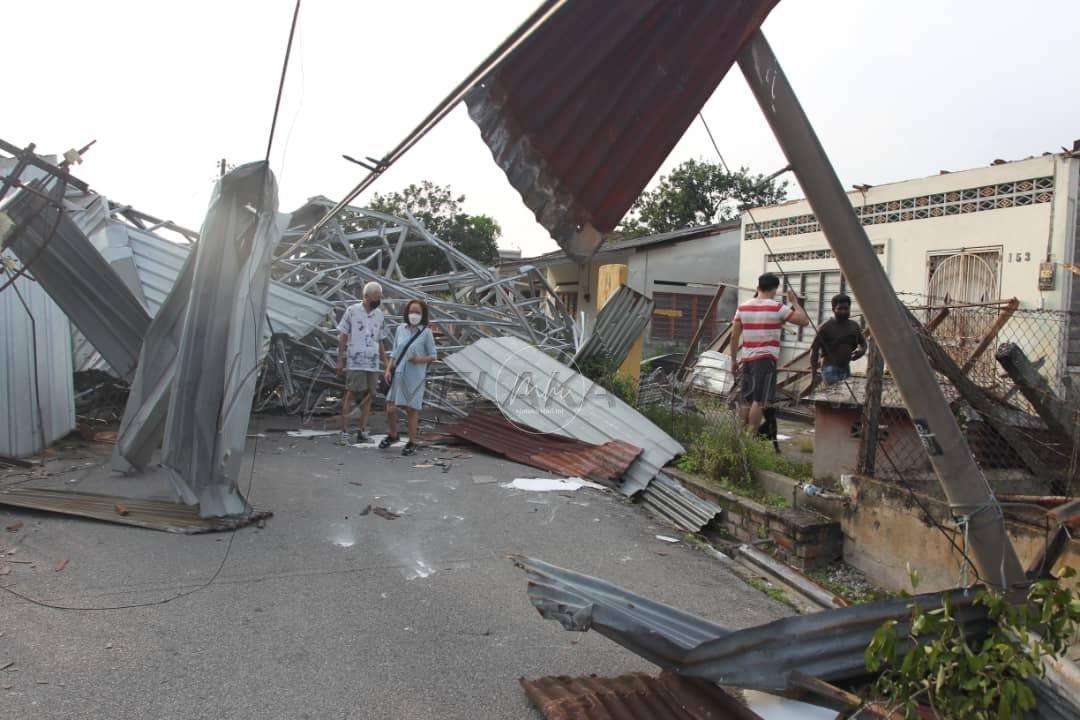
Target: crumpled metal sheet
[[555, 453], [828, 644], [538, 392], [635, 695], [217, 360], [676, 505], [619, 324], [78, 278], [582, 113], [143, 424]]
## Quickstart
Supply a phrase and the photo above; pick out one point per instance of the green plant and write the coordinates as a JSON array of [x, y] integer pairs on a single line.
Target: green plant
[[604, 371], [684, 426], [959, 677], [725, 453], [771, 590]]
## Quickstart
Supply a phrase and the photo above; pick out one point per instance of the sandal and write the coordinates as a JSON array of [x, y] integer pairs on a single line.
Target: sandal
[[409, 449], [387, 442]]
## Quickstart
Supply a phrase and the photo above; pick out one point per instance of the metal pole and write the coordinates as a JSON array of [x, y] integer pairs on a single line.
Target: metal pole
[[966, 488]]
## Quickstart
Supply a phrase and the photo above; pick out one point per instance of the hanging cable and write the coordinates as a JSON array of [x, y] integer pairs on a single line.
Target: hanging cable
[[523, 32], [281, 83]]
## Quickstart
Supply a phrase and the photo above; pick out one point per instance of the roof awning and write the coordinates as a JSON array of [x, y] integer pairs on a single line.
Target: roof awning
[[585, 110]]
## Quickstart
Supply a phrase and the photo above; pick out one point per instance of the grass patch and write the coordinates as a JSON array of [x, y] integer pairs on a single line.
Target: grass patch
[[729, 457], [771, 590]]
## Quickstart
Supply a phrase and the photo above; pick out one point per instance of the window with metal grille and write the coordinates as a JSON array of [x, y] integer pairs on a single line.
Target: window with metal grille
[[817, 290], [569, 301], [676, 317]]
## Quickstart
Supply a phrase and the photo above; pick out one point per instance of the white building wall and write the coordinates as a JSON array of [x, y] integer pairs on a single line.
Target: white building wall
[[1025, 235]]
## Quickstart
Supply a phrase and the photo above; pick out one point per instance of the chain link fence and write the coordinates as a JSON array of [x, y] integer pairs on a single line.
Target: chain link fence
[[1002, 368]]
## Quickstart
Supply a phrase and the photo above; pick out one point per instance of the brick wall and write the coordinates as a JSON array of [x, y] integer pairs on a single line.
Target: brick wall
[[805, 540]]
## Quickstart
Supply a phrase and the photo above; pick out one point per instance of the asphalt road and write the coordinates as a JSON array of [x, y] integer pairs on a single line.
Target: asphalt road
[[325, 613]]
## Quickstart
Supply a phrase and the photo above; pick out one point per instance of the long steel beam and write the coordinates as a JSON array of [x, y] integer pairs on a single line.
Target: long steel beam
[[966, 488]]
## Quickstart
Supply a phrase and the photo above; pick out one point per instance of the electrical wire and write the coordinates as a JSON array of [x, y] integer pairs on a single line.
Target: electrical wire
[[281, 83], [962, 551], [489, 64]]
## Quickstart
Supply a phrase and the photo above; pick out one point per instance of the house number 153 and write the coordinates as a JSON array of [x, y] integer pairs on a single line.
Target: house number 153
[[1019, 257]]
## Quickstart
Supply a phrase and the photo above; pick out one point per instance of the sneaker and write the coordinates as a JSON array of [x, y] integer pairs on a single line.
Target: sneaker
[[387, 442], [346, 439], [361, 437], [409, 449]]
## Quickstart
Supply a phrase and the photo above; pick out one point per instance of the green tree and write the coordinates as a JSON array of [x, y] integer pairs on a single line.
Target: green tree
[[439, 210], [699, 192]]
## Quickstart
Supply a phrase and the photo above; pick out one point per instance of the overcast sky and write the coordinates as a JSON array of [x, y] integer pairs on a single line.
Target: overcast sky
[[895, 90]]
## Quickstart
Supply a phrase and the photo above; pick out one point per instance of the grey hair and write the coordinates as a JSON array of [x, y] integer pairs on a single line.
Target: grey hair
[[372, 288]]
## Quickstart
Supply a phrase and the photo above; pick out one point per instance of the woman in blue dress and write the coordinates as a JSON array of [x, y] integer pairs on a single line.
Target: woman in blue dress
[[414, 350]]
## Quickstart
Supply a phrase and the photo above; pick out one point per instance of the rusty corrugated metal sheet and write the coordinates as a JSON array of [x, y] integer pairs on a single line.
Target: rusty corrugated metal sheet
[[583, 112], [539, 392], [635, 695], [554, 453], [151, 514]]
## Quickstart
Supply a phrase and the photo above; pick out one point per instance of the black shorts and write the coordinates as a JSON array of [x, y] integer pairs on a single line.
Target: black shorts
[[759, 381]]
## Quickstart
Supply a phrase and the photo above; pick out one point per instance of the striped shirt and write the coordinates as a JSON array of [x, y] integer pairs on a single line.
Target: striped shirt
[[762, 321]]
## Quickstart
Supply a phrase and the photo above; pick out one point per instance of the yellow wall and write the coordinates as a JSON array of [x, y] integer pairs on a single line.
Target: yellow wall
[[609, 280]]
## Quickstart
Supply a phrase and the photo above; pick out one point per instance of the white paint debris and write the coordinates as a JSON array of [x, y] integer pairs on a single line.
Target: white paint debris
[[374, 440], [667, 539], [780, 437], [551, 484], [311, 433], [772, 707]]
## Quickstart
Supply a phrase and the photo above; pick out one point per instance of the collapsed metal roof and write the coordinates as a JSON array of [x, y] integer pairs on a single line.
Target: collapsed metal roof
[[555, 453], [218, 353], [536, 391], [76, 276], [583, 112], [827, 644]]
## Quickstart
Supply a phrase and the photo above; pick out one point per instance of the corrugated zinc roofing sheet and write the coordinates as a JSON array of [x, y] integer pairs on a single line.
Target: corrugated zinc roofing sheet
[[79, 280], [21, 380], [582, 113], [538, 392], [619, 324], [605, 463], [635, 695], [827, 644], [678, 506]]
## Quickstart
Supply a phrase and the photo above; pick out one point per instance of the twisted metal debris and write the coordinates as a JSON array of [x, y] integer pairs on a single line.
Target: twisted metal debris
[[466, 304]]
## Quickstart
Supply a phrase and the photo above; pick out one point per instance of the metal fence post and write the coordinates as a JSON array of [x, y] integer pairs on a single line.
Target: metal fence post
[[965, 486], [871, 419]]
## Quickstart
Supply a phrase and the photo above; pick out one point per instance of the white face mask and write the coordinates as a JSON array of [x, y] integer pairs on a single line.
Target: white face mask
[[414, 318]]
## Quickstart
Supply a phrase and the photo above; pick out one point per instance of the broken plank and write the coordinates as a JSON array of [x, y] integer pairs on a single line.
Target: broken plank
[[1057, 414], [995, 415], [829, 695], [1002, 318], [152, 514]]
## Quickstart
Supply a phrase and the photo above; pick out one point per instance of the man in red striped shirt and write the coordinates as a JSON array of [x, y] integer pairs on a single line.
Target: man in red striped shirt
[[756, 330]]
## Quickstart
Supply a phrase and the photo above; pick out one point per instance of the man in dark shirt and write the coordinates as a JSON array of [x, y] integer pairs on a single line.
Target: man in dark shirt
[[841, 339]]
